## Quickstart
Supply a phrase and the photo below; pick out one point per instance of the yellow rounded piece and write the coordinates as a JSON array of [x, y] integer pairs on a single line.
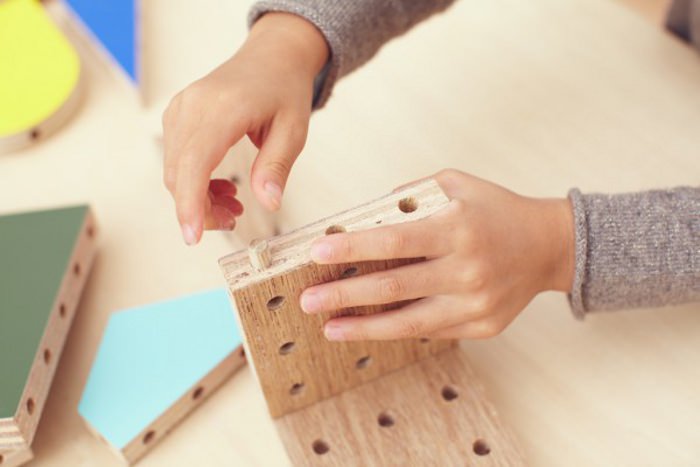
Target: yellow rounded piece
[[40, 68]]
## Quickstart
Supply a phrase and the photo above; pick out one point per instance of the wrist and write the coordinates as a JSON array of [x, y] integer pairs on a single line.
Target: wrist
[[293, 38], [559, 244]]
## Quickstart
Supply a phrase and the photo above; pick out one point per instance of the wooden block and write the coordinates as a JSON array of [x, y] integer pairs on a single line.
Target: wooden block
[[40, 81], [113, 28], [295, 364], [16, 458], [433, 412], [45, 258], [155, 365], [410, 402]]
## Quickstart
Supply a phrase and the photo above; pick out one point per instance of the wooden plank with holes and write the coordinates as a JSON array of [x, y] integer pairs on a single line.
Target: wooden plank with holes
[[406, 402], [45, 257], [155, 365], [295, 364], [433, 412]]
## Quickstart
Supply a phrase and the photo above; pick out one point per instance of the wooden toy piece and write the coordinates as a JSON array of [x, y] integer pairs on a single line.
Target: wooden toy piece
[[16, 458], [40, 78], [285, 340], [408, 402], [155, 365], [433, 412], [114, 27], [45, 258]]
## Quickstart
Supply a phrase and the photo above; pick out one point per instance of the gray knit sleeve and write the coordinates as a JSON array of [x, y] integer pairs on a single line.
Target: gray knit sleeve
[[683, 20], [636, 250], [355, 30]]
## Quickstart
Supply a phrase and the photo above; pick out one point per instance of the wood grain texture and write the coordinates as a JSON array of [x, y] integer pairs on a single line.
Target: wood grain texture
[[18, 432], [155, 365], [433, 412], [149, 437], [537, 96], [296, 365]]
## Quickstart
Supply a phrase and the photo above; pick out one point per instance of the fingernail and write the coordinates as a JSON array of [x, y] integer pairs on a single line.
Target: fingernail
[[274, 192], [188, 234], [321, 252], [334, 332], [310, 302]]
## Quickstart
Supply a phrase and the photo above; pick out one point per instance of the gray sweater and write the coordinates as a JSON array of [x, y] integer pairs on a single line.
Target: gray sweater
[[632, 250]]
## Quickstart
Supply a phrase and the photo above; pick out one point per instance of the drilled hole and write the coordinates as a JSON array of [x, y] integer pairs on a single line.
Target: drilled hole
[[385, 419], [275, 303], [334, 229], [481, 447], [424, 340], [35, 134], [320, 447], [286, 348], [30, 406], [241, 353], [449, 393], [197, 393], [363, 362], [349, 272], [148, 437], [296, 389], [409, 204], [76, 269], [62, 310], [47, 356], [235, 179]]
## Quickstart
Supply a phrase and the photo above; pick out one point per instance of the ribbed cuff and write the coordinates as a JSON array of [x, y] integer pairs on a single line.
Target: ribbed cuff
[[581, 241], [325, 80]]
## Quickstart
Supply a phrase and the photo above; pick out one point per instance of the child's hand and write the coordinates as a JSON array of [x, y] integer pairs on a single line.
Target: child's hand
[[264, 91], [489, 252]]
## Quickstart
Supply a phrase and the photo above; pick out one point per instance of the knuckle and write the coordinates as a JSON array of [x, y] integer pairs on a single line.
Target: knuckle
[[296, 134], [490, 328], [409, 328], [393, 242], [447, 174], [483, 303], [279, 167], [338, 298], [390, 288], [344, 249], [358, 333]]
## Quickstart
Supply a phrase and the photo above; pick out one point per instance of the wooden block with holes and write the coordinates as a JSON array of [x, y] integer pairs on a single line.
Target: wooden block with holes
[[156, 364], [407, 402], [45, 257]]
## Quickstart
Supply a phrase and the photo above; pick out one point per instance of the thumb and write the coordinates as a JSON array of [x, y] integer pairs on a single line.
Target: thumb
[[277, 155]]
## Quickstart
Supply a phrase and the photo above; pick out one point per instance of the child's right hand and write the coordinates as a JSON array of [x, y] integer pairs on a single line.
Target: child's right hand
[[265, 91]]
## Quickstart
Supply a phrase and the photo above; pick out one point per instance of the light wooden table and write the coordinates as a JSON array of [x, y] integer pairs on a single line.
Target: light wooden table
[[538, 96]]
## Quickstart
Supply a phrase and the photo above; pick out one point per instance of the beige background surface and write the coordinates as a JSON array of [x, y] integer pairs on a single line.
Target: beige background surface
[[538, 96]]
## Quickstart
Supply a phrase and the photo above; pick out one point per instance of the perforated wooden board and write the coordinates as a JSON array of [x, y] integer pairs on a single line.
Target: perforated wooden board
[[431, 413], [45, 258], [295, 364], [193, 346]]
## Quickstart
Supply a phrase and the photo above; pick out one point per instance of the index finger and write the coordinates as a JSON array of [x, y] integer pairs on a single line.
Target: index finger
[[422, 238]]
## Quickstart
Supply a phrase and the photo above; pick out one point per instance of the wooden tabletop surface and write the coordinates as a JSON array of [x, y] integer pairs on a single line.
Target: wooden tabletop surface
[[538, 96]]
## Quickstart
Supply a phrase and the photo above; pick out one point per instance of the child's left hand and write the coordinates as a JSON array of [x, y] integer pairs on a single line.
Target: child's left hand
[[488, 253]]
